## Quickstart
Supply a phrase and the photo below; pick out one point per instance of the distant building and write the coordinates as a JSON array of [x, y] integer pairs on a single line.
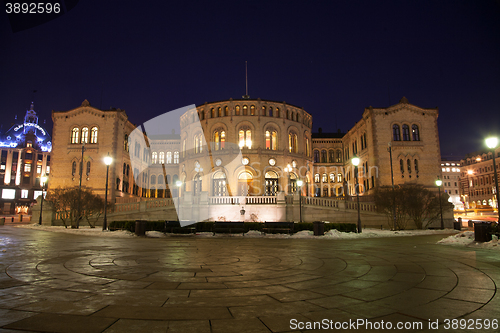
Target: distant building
[[24, 157], [452, 182], [477, 179]]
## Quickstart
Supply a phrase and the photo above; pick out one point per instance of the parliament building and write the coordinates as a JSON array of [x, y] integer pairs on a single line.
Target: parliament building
[[242, 147]]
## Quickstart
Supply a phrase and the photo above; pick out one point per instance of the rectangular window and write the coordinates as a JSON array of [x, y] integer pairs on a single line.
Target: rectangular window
[[47, 169], [24, 194], [38, 169], [27, 167], [39, 193], [8, 193]]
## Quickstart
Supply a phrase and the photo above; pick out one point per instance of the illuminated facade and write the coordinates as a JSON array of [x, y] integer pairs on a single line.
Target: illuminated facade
[[274, 140], [25, 156], [451, 183], [477, 183]]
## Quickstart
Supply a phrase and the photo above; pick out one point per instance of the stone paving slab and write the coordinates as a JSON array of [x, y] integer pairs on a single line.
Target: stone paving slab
[[52, 282]]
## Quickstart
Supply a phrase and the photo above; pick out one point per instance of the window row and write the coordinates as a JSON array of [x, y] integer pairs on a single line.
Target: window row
[[252, 111], [74, 170], [159, 158], [331, 178], [332, 156], [408, 167], [396, 132], [82, 136]]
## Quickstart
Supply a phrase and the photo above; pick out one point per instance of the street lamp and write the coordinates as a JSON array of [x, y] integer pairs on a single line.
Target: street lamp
[[107, 160], [469, 173], [355, 162], [439, 182], [299, 184], [43, 180], [492, 143], [389, 148]]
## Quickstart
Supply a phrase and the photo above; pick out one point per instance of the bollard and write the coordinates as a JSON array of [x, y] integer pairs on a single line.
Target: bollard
[[140, 227], [319, 228]]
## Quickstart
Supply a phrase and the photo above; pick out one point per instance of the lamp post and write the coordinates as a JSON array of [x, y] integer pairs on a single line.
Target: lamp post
[[439, 182], [492, 143], [299, 184], [43, 180], [469, 173], [389, 148], [107, 160], [355, 162], [288, 169]]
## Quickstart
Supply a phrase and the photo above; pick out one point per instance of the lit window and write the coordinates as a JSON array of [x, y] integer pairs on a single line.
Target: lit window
[[24, 194], [176, 157], [332, 178], [447, 169], [169, 157], [316, 178], [85, 135], [74, 135], [198, 144], [245, 138], [316, 156], [219, 139], [8, 193], [154, 157], [93, 136], [324, 179], [38, 169], [271, 139], [443, 169], [308, 149], [292, 143], [162, 158], [339, 178], [27, 167]]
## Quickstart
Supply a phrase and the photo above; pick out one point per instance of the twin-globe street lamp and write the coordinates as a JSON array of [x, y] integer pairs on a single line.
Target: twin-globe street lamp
[[439, 182], [43, 181], [492, 143], [355, 161], [107, 160]]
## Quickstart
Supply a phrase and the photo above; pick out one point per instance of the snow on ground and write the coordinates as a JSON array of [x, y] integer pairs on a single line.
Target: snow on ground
[[466, 239], [331, 234]]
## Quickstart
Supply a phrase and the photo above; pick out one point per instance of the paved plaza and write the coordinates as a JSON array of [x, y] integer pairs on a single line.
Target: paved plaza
[[54, 282]]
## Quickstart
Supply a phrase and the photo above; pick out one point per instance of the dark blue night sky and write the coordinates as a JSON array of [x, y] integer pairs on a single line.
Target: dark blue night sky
[[333, 58]]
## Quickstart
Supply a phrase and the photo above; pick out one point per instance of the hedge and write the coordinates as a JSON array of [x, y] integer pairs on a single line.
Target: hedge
[[207, 226]]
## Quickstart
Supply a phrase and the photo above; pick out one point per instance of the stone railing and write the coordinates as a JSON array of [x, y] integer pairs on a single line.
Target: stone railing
[[323, 202], [224, 200], [126, 207], [159, 203], [264, 200], [363, 206]]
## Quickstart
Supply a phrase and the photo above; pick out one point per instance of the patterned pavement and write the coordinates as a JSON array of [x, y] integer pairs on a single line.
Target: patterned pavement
[[54, 282]]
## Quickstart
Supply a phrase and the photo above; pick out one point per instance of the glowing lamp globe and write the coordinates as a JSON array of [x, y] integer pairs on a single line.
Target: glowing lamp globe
[[355, 161], [439, 182], [492, 142], [108, 160]]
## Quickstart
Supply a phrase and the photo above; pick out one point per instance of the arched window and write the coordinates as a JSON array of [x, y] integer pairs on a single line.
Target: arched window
[[219, 139], [85, 135], [264, 111], [316, 178], [402, 167], [219, 184], [331, 156], [316, 156], [226, 111], [201, 115], [183, 148], [252, 110], [245, 110], [415, 162], [396, 135], [198, 143], [406, 132], [128, 169], [324, 178], [176, 157], [415, 133], [338, 156], [154, 157], [153, 179], [271, 139], [219, 112], [271, 111], [292, 142], [73, 168], [125, 143], [169, 157], [245, 138], [323, 156], [88, 168], [339, 178], [212, 113], [74, 135], [237, 110], [93, 135], [162, 158], [408, 165], [271, 178], [332, 178], [308, 147]]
